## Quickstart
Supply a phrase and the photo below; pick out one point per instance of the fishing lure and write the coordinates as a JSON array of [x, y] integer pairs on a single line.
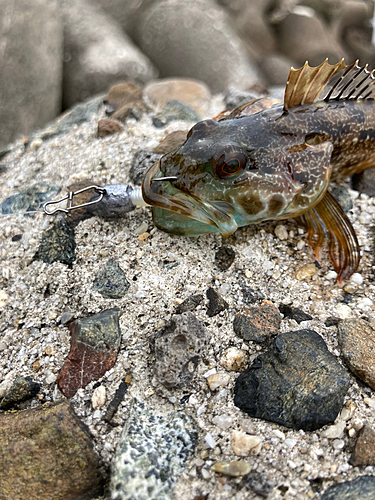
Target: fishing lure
[[266, 160], [270, 160]]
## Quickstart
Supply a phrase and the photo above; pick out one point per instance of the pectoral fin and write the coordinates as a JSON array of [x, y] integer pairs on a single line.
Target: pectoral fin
[[328, 219]]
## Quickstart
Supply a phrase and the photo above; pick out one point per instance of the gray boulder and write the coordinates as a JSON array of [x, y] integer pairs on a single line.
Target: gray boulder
[[31, 54], [97, 53]]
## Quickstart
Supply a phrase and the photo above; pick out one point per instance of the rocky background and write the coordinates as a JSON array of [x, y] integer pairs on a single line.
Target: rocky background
[[56, 53], [137, 365]]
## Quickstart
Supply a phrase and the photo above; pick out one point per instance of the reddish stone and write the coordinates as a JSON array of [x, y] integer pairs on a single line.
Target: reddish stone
[[107, 126]]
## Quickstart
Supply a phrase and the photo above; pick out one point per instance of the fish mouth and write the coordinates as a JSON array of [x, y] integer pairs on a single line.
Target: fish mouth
[[219, 215]]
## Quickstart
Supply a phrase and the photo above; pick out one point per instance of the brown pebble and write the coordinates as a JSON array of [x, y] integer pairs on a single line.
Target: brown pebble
[[106, 126], [306, 272], [124, 93], [143, 236], [36, 366], [364, 450], [172, 141]]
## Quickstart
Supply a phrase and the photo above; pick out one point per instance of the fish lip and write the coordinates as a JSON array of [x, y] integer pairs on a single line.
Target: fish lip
[[187, 205]]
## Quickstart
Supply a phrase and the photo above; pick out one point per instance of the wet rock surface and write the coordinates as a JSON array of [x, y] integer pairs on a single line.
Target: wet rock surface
[[357, 344], [297, 383], [151, 454], [111, 281], [22, 389], [361, 488], [258, 323], [94, 345], [29, 199], [178, 348], [33, 446]]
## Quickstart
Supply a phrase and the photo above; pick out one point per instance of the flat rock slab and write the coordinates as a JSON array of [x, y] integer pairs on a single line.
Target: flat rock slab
[[151, 454], [46, 453], [357, 344], [94, 344], [297, 383], [362, 488], [178, 347]]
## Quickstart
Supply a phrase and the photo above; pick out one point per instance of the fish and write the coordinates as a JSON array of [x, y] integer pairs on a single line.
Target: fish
[[270, 160]]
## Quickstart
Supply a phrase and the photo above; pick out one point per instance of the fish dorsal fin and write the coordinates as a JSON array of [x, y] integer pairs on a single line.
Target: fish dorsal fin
[[328, 82], [327, 219]]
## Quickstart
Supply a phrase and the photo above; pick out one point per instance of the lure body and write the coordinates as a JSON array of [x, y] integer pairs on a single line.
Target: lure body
[[269, 161]]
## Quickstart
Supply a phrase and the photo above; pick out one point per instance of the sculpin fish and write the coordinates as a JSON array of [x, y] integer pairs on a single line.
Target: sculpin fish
[[273, 160]]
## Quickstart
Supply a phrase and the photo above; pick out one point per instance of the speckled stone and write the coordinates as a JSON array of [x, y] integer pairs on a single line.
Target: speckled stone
[[57, 244], [362, 488], [178, 347], [297, 383], [364, 449], [94, 345], [111, 281], [260, 484], [29, 199], [356, 339], [190, 304], [46, 453], [23, 388], [151, 454], [142, 161], [257, 323], [174, 110]]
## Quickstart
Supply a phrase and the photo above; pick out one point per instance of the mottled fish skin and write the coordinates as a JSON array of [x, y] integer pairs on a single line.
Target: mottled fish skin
[[267, 164]]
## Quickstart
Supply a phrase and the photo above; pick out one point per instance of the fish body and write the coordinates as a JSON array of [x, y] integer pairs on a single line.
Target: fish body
[[269, 161]]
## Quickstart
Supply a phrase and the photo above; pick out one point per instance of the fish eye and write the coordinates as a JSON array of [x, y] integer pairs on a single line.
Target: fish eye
[[229, 164]]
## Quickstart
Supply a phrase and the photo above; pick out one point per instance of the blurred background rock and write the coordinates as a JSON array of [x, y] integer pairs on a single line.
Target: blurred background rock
[[55, 53]]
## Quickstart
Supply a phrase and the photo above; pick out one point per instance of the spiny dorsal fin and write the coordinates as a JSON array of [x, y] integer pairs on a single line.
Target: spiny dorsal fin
[[328, 82]]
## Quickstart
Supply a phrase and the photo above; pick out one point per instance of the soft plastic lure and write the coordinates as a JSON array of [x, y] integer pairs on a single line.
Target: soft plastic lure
[[272, 160]]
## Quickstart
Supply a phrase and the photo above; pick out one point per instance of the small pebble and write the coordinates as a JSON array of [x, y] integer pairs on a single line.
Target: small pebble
[[210, 441], [51, 378], [331, 275], [36, 366], [233, 359], [35, 144], [222, 421], [281, 232], [232, 469], [141, 229], [3, 346], [243, 444], [3, 299], [338, 444], [356, 278], [218, 380], [306, 272], [343, 311], [334, 431], [98, 397]]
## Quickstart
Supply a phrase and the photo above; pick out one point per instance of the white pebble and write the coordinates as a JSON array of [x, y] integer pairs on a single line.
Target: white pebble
[[98, 397], [281, 232], [290, 443], [364, 303], [338, 444], [365, 218], [217, 380], [334, 431], [369, 402], [51, 378], [279, 434], [222, 421], [209, 372], [211, 443], [331, 275], [233, 359], [300, 244], [243, 444], [343, 311], [141, 229]]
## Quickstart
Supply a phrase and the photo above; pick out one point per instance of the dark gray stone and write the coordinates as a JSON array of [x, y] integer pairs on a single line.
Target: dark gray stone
[[259, 483], [178, 347], [172, 111], [23, 388], [111, 281], [251, 296], [216, 303], [364, 182], [142, 161], [235, 97], [224, 257], [362, 488], [297, 383], [152, 454], [294, 313], [257, 323], [190, 304], [342, 195], [57, 244], [29, 199]]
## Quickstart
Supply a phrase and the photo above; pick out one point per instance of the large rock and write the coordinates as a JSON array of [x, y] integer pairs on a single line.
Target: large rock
[[195, 39], [46, 453], [31, 35], [97, 53]]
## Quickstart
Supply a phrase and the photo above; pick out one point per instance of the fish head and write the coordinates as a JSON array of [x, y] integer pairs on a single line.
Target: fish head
[[220, 179]]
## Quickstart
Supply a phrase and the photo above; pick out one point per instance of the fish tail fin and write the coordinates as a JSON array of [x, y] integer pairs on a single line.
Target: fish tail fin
[[327, 219]]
